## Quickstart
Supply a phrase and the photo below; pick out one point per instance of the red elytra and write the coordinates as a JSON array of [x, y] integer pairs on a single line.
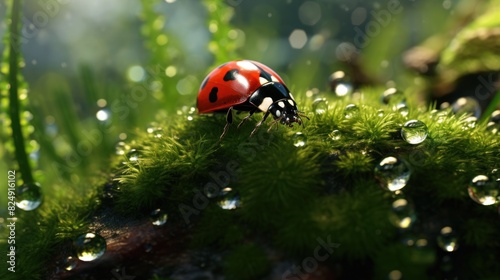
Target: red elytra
[[247, 85]]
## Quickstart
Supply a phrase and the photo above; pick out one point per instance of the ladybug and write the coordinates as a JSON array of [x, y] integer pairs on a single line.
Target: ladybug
[[247, 85]]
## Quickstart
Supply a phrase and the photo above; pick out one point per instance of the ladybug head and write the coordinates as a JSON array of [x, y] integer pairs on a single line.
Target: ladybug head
[[285, 111]]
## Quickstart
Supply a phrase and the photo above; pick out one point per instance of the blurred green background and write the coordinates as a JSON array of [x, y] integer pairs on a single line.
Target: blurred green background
[[100, 71]]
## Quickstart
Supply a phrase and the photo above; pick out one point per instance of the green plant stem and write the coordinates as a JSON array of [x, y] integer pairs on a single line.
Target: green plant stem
[[14, 107], [495, 102]]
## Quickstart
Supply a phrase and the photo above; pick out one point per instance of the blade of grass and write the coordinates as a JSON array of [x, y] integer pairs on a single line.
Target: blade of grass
[[14, 108]]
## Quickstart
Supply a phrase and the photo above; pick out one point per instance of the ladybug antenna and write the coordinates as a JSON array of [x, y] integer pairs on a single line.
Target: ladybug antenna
[[301, 114]]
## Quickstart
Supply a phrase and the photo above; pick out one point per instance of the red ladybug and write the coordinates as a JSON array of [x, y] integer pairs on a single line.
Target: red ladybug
[[247, 85]]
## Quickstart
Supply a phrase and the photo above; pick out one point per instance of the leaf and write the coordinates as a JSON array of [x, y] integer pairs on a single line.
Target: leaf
[[476, 47]]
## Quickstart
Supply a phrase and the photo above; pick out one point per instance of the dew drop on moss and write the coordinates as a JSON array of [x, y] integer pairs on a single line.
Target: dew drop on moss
[[484, 190], [335, 135], [493, 127], [89, 246], [392, 173], [230, 199], [414, 132], [469, 123], [351, 111], [121, 148], [28, 196], [447, 239], [320, 106], [158, 217], [494, 122], [69, 263], [339, 84], [133, 155], [402, 109], [402, 214], [299, 139], [155, 131], [466, 105], [392, 96], [187, 111]]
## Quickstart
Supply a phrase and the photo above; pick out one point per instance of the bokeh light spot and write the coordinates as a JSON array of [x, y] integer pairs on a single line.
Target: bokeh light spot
[[171, 71], [309, 13], [135, 73], [298, 38]]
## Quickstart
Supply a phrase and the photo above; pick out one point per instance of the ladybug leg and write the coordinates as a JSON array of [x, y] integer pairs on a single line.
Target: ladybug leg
[[273, 123], [260, 123], [246, 118], [229, 121]]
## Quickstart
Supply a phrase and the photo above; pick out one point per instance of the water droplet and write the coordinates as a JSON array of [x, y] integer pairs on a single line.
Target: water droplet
[[299, 139], [320, 106], [380, 113], [155, 131], [189, 112], [339, 84], [350, 111], [28, 196], [230, 199], [414, 132], [69, 263], [402, 109], [484, 190], [493, 127], [403, 214], [392, 173], [335, 135], [133, 155], [89, 246], [121, 148], [495, 116], [312, 92], [393, 96], [447, 239], [469, 122], [494, 122], [466, 105], [441, 116], [158, 217]]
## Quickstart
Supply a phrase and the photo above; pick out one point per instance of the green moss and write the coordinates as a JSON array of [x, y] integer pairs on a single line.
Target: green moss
[[357, 220], [280, 178], [219, 227], [247, 261], [163, 172]]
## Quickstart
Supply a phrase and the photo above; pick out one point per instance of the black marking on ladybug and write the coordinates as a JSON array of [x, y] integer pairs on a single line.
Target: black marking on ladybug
[[204, 83], [212, 97], [264, 74], [231, 75]]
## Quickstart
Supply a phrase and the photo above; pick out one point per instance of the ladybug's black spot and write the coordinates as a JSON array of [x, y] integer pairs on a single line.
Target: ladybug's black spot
[[204, 83], [212, 97], [264, 74], [231, 75]]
